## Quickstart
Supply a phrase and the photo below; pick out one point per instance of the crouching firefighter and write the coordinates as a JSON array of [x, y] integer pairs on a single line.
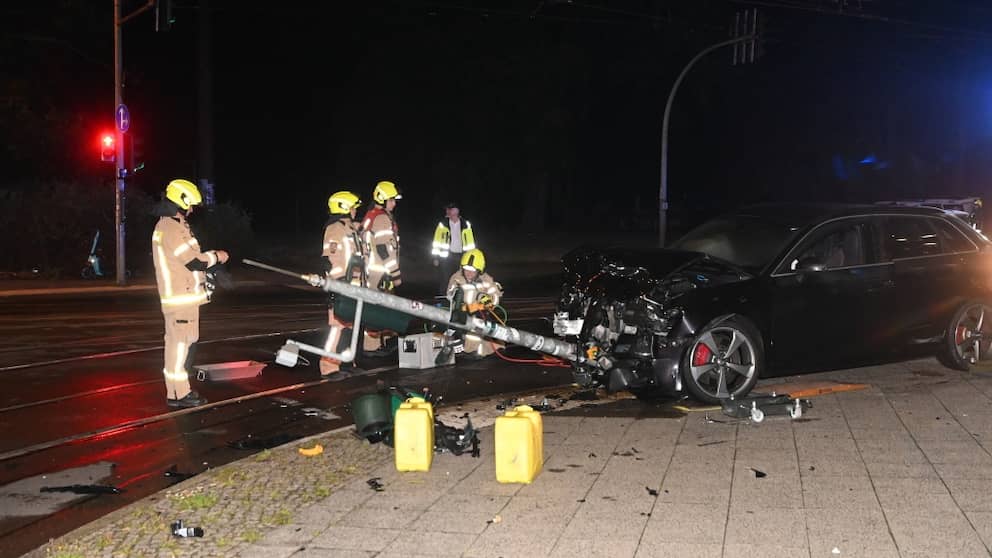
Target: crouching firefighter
[[382, 244], [344, 262], [473, 292], [181, 273]]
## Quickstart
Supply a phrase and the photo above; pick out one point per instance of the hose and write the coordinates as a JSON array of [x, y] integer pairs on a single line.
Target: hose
[[545, 360]]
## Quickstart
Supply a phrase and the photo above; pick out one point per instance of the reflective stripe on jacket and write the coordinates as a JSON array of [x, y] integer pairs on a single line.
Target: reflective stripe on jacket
[[173, 248], [441, 246], [382, 241], [342, 243]]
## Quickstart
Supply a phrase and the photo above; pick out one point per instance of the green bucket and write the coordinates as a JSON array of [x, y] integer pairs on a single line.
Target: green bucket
[[375, 318], [373, 415]]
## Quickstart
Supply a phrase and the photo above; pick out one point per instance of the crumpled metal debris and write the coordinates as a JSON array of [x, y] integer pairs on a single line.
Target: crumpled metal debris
[[179, 529]]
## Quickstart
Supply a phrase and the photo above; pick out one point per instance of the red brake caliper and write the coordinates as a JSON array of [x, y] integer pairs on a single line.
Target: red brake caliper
[[960, 334], [701, 355]]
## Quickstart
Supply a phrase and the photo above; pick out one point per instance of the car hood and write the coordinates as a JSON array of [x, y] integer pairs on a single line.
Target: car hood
[[660, 272]]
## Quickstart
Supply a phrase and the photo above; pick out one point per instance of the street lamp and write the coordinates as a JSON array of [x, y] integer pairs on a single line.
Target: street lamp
[[663, 191]]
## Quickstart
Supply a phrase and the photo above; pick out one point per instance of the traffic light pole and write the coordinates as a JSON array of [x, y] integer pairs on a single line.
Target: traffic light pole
[[663, 191], [119, 171]]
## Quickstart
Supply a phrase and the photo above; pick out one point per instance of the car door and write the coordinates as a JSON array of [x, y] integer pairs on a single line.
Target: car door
[[928, 257], [821, 318]]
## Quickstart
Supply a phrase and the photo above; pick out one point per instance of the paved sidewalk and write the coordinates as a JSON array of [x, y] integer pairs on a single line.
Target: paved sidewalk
[[901, 469]]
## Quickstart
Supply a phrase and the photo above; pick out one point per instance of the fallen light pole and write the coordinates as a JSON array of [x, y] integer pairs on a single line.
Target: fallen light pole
[[478, 326]]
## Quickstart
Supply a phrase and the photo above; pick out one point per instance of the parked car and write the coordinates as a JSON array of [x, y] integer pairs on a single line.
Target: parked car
[[776, 289]]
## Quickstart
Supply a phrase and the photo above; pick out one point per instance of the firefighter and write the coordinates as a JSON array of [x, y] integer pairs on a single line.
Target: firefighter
[[453, 236], [473, 291], [181, 274], [344, 261], [382, 244]]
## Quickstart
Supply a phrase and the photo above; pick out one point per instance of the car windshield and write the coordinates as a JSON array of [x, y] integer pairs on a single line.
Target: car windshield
[[745, 241]]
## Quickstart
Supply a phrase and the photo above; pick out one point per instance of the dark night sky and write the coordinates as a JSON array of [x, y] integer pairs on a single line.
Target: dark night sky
[[546, 121]]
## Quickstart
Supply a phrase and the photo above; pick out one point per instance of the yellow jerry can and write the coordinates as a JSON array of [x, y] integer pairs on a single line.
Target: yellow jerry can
[[519, 445], [413, 435]]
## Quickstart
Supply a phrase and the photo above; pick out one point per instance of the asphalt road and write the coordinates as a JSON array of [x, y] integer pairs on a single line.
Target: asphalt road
[[83, 385]]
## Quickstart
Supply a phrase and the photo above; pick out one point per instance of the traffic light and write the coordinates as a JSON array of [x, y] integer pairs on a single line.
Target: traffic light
[[108, 150]]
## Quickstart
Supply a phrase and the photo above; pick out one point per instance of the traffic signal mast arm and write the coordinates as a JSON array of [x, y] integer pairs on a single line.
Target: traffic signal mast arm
[[548, 345]]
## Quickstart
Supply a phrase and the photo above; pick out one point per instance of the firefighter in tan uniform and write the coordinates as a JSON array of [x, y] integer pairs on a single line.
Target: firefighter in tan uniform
[[180, 271], [473, 291], [382, 243], [343, 257]]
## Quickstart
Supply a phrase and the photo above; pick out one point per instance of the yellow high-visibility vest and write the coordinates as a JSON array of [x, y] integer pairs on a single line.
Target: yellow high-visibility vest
[[441, 246]]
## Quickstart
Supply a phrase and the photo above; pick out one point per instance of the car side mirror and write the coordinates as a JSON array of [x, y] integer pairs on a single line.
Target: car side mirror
[[810, 265]]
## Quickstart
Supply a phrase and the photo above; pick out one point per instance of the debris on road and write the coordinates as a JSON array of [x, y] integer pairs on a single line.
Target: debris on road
[[496, 519], [375, 483], [319, 413], [651, 491], [316, 450], [758, 474], [175, 474], [226, 371], [713, 443], [84, 489], [181, 530]]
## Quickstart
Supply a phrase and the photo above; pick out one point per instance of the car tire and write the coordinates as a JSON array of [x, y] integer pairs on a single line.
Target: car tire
[[733, 356], [961, 347]]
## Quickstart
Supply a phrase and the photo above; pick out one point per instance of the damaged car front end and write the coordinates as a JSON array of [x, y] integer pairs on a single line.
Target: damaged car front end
[[627, 311]]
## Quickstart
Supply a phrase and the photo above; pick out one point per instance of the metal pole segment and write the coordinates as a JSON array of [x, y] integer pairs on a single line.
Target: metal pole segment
[[119, 138], [478, 326]]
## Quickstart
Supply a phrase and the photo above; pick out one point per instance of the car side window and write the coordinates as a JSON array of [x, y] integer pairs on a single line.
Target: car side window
[[910, 237], [951, 239], [834, 246]]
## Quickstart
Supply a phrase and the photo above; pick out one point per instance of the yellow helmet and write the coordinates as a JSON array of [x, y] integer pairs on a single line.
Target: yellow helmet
[[474, 260], [385, 190], [341, 203], [183, 193]]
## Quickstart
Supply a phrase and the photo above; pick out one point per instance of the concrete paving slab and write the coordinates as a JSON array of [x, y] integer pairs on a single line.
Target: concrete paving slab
[[595, 547], [429, 543], [339, 537], [259, 551], [585, 525], [453, 521], [839, 493], [982, 522], [682, 550], [971, 495], [498, 543], [686, 523], [763, 550], [379, 518], [294, 534], [937, 532], [862, 530], [758, 526]]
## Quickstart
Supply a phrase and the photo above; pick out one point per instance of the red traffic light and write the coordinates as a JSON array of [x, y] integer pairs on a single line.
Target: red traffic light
[[108, 151]]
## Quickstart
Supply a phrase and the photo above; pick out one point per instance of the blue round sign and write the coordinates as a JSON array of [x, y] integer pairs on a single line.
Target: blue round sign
[[122, 117]]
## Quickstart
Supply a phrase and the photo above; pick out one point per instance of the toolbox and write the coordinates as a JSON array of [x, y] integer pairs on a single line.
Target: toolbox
[[224, 371], [419, 351]]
